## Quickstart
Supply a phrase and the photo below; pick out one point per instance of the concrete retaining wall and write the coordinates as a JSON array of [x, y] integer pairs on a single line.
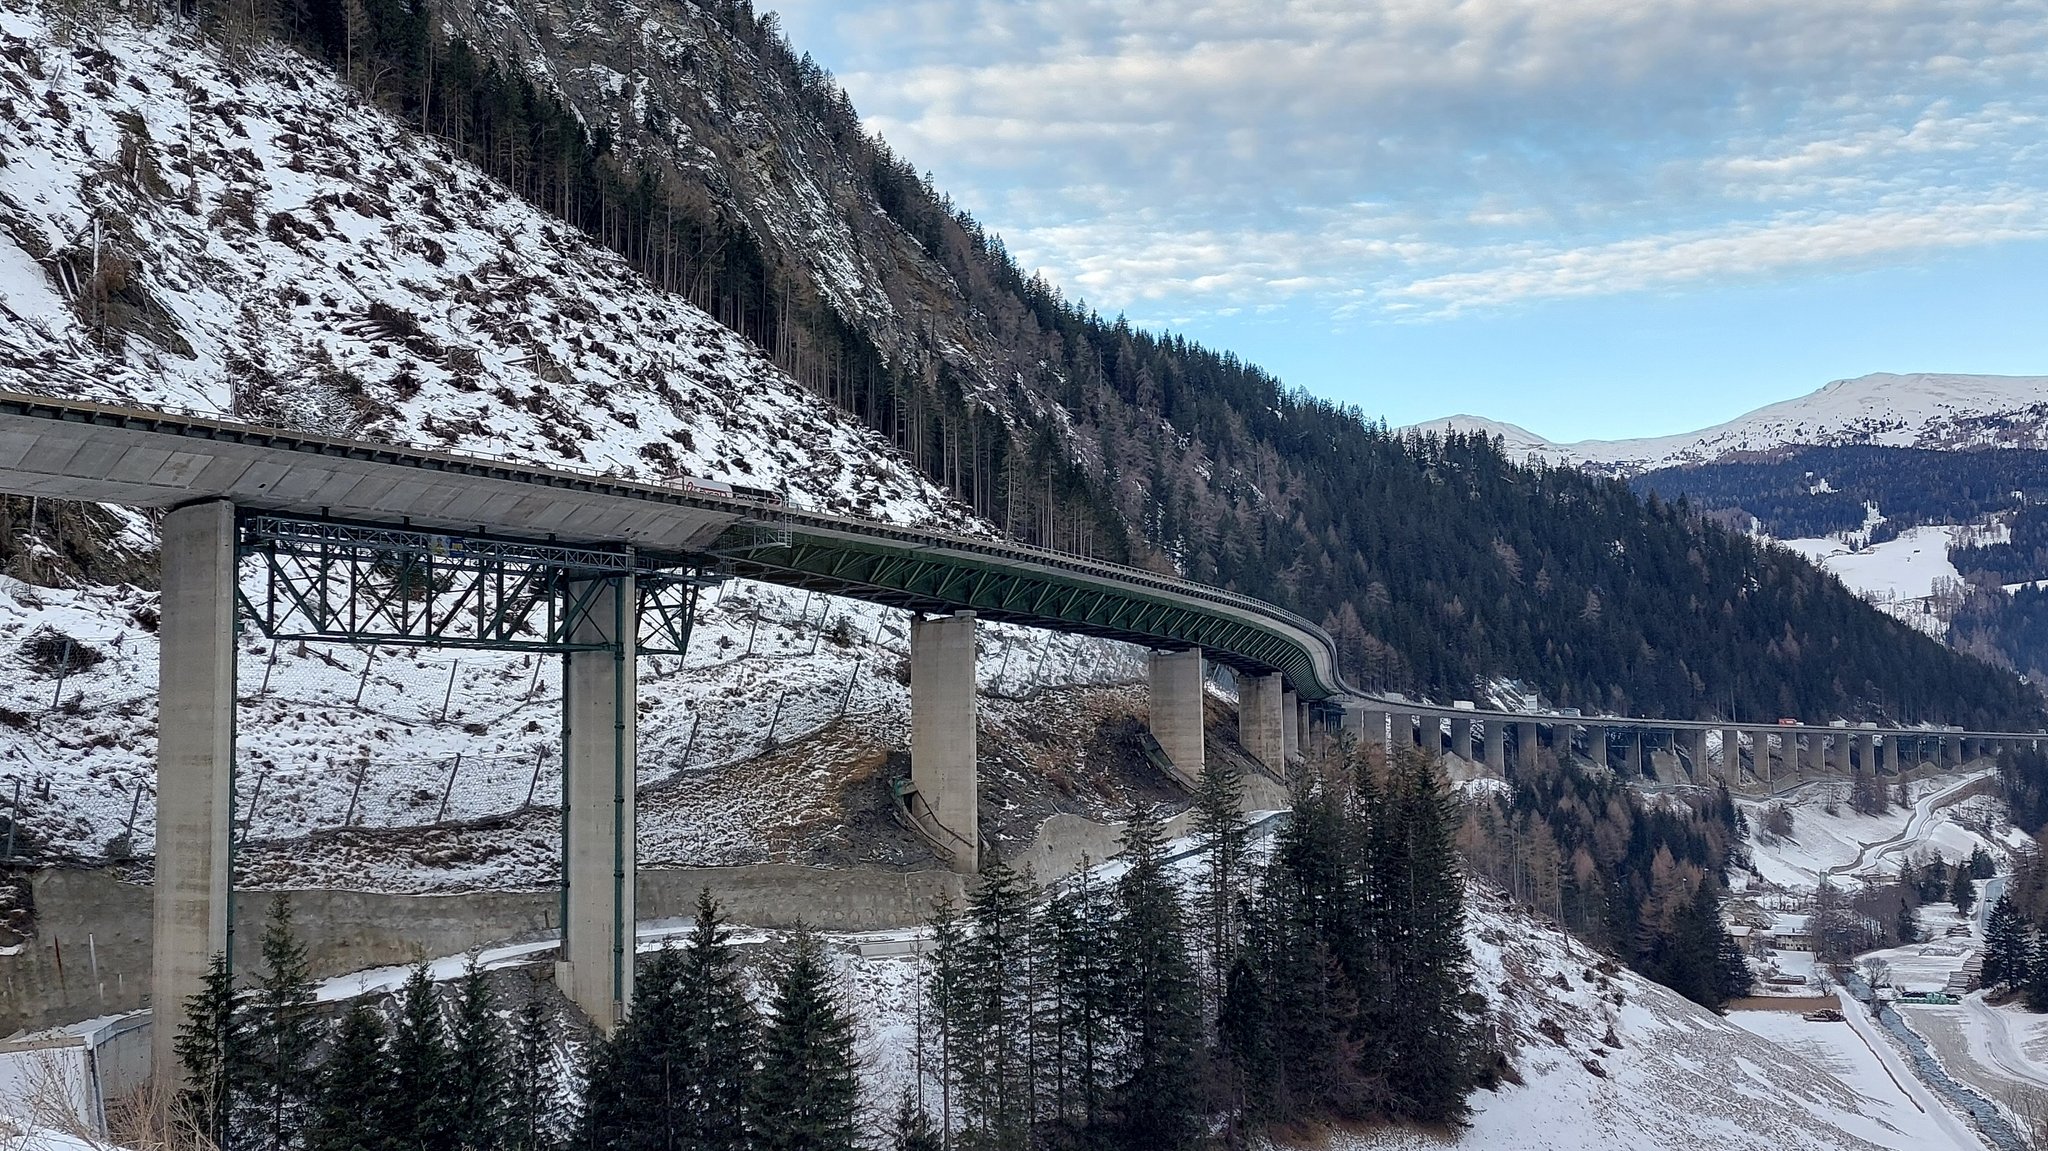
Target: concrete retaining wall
[[89, 921]]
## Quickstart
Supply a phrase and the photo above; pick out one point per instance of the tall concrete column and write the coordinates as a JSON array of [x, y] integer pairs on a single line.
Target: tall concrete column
[[1814, 758], [1947, 750], [600, 701], [1461, 738], [1290, 724], [1526, 741], [1497, 745], [1866, 752], [1635, 754], [1177, 712], [1694, 760], [195, 755], [1760, 753], [1259, 726], [1731, 756], [944, 745], [1596, 745]]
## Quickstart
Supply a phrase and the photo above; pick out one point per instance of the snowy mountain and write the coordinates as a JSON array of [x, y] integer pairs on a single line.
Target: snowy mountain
[[259, 240], [1917, 410]]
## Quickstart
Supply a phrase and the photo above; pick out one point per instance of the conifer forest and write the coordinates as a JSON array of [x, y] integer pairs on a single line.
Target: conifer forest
[[1161, 1003]]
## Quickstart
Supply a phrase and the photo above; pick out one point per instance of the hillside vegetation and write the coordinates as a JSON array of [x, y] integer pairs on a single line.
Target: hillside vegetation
[[727, 165]]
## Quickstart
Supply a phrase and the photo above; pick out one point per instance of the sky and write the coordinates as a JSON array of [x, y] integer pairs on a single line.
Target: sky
[[1593, 218]]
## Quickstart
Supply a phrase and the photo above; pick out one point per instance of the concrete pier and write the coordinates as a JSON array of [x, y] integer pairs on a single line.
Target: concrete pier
[[1694, 761], [1596, 745], [1731, 756], [1290, 724], [1635, 754], [1259, 721], [1177, 713], [944, 745], [1866, 752], [1527, 742], [194, 763], [599, 706], [1496, 752], [1461, 738]]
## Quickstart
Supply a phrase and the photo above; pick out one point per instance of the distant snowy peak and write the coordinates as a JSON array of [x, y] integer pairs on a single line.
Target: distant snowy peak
[[1917, 410]]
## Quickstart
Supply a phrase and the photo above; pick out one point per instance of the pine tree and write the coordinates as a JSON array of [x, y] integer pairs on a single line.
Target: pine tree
[[989, 1033], [285, 1033], [1982, 866], [530, 1083], [1220, 830], [2007, 957], [1430, 1044], [353, 1098], [1074, 1026], [1158, 1100], [637, 1095], [423, 1114], [807, 1092], [477, 1088], [1962, 891], [2037, 973], [1908, 921], [718, 1036], [912, 1129], [945, 992], [213, 1047]]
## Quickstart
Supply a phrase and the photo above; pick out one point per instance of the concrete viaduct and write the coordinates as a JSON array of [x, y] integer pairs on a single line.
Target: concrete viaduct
[[375, 543]]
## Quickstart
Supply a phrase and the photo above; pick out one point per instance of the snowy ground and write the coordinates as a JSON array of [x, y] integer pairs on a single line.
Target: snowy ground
[[1847, 845]]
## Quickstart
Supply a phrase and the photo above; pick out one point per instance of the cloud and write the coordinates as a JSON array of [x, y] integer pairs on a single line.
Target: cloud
[[1395, 158]]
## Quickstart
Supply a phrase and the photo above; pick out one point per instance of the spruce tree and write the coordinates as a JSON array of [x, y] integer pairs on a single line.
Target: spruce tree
[[2007, 957], [1220, 830], [423, 1111], [945, 992], [1982, 866], [718, 1036], [807, 1092], [285, 1033], [2037, 973], [1962, 892], [477, 1085], [1074, 1012], [1158, 1099], [213, 1047], [1430, 1042], [637, 1092], [912, 1128], [530, 1083], [989, 1035], [353, 1098]]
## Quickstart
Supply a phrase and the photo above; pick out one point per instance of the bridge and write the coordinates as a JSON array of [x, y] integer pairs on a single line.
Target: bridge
[[318, 538]]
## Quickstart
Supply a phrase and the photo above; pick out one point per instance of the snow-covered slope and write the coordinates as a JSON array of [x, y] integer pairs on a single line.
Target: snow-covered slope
[[1916, 410], [318, 264], [269, 244]]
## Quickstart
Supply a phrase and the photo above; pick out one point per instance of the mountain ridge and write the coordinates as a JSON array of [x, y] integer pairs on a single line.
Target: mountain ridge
[[1919, 409]]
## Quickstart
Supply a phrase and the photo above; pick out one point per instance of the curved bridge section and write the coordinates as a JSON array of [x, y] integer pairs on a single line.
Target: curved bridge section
[[69, 449], [316, 538]]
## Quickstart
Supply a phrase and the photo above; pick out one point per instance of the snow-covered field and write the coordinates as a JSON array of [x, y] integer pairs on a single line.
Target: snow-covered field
[[1946, 818]]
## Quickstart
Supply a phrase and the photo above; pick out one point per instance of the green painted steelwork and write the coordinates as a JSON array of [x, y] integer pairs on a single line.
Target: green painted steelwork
[[944, 580]]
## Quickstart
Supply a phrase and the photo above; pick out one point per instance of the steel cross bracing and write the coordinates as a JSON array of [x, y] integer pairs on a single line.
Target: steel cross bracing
[[940, 582], [353, 583]]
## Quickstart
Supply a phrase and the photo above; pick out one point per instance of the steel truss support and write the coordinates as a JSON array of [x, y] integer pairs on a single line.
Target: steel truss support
[[330, 582]]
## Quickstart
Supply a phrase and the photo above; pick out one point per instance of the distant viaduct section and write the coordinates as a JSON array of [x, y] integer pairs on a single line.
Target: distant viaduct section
[[320, 539]]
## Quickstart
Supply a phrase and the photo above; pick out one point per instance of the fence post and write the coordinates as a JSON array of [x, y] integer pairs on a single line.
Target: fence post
[[13, 817], [846, 697], [539, 757], [362, 769], [63, 672], [368, 662], [448, 790], [268, 667], [255, 798], [776, 720], [449, 694], [690, 745]]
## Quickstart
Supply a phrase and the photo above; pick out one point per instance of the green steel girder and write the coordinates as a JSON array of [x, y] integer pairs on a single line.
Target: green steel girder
[[939, 582]]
